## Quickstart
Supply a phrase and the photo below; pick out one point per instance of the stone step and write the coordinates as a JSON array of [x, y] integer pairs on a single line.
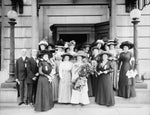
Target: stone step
[[9, 95]]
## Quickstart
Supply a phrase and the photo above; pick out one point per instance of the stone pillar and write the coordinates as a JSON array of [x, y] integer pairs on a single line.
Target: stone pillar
[[35, 27], [12, 52], [112, 31], [135, 35]]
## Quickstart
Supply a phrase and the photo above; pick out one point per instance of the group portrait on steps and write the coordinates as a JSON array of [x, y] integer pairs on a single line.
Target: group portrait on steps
[[67, 73]]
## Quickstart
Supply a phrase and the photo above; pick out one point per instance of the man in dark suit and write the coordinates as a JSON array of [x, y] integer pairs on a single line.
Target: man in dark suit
[[32, 76], [21, 75]]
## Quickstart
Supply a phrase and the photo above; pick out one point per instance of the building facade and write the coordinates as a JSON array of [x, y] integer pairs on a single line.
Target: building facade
[[88, 19]]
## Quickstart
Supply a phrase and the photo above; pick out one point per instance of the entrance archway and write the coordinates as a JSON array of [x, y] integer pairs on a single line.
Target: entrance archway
[[80, 39], [81, 33]]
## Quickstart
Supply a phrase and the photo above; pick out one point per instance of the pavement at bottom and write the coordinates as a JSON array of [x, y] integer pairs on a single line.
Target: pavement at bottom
[[92, 109]]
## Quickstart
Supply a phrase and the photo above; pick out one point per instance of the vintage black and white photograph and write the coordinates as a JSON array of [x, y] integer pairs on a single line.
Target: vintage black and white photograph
[[74, 57]]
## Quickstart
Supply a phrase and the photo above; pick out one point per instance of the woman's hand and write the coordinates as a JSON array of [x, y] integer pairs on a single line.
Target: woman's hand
[[50, 79], [18, 81], [100, 72], [105, 72]]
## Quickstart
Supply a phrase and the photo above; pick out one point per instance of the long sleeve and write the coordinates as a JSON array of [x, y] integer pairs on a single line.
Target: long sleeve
[[119, 62], [16, 70], [29, 70], [132, 62], [60, 70], [110, 67]]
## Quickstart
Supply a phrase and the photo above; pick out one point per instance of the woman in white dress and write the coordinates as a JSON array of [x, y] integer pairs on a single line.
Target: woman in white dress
[[114, 60], [79, 96], [65, 68]]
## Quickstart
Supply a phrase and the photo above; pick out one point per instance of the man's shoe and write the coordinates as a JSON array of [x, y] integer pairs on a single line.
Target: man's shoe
[[21, 103]]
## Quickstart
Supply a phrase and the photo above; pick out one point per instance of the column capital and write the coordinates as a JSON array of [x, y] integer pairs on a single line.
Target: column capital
[[12, 22]]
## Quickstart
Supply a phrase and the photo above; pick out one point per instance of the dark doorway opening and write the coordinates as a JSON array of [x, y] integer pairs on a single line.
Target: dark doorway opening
[[80, 39]]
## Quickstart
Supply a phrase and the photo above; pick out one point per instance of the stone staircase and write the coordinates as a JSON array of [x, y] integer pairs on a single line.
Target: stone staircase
[[9, 95]]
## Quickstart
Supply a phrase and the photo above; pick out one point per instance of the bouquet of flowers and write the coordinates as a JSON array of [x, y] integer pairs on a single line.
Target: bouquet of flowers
[[84, 72], [131, 73]]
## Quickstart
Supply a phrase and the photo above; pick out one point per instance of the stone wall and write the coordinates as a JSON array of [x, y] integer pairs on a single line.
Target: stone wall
[[124, 32], [27, 30], [23, 33], [82, 14]]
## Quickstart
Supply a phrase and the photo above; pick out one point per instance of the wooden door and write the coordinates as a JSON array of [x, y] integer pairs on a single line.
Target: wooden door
[[102, 31]]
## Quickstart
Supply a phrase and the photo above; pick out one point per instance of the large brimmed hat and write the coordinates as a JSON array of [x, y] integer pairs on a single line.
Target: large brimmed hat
[[86, 45], [94, 47], [72, 43], [59, 44], [51, 45], [66, 54], [105, 52], [52, 51], [100, 41], [104, 46], [128, 44], [81, 53], [49, 52], [112, 42], [43, 42]]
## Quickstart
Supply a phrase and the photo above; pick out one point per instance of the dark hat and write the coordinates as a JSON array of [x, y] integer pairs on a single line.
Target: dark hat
[[52, 51], [112, 42], [66, 54], [52, 45], [86, 45], [60, 43], [104, 46], [105, 52], [128, 44], [72, 43], [49, 52]]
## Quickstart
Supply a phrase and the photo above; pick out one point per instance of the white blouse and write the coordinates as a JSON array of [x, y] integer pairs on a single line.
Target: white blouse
[[65, 66]]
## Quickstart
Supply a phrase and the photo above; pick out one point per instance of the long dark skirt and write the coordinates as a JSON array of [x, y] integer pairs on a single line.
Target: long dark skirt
[[44, 97], [126, 87], [90, 91], [105, 94], [128, 90], [114, 75], [94, 84]]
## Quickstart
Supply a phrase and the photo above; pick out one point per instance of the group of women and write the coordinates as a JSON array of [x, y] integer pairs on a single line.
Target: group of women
[[70, 76]]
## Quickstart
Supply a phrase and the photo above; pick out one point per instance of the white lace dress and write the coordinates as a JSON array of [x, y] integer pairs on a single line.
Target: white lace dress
[[79, 97], [64, 95]]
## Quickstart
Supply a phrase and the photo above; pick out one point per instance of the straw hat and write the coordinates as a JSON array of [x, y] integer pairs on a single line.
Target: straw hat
[[66, 54], [112, 42], [105, 52], [100, 41], [81, 53]]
